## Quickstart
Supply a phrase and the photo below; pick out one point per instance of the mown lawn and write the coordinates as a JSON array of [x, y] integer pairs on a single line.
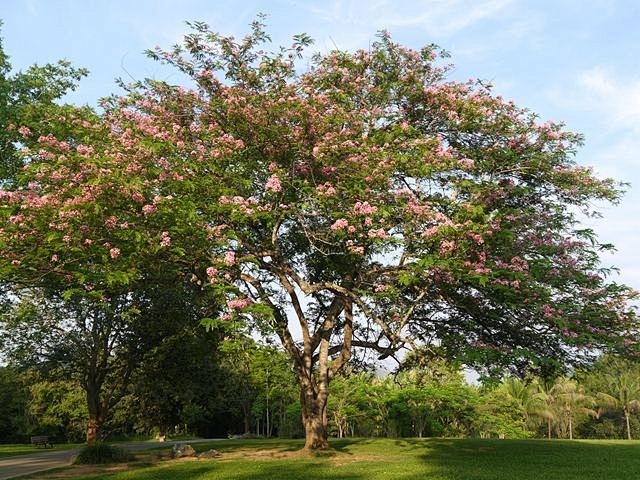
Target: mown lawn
[[373, 459], [8, 450]]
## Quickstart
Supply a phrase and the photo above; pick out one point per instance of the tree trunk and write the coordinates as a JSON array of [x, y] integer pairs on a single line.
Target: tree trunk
[[93, 428], [626, 417], [314, 417], [95, 415], [570, 427], [549, 428], [246, 415]]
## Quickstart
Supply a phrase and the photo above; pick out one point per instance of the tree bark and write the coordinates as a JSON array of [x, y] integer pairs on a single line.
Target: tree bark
[[315, 423], [94, 425], [626, 417]]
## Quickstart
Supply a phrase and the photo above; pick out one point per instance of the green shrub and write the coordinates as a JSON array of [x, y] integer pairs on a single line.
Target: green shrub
[[102, 453]]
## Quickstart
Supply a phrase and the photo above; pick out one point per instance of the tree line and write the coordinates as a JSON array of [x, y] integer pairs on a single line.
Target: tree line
[[194, 384]]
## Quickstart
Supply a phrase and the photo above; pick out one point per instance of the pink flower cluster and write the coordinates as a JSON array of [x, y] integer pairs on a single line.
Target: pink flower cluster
[[149, 209], [273, 184], [212, 273], [165, 239], [230, 259], [363, 208], [326, 190], [340, 224], [379, 233], [239, 304]]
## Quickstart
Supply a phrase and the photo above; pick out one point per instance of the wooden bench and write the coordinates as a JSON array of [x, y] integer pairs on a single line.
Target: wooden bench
[[41, 441]]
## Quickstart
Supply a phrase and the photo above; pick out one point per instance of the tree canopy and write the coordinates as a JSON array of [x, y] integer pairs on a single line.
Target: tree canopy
[[365, 202]]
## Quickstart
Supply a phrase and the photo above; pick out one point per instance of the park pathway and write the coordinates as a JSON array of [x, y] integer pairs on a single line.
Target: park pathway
[[19, 465]]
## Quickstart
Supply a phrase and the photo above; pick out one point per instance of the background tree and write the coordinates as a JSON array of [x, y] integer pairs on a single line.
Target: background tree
[[572, 399], [379, 204], [29, 100], [13, 406], [615, 383]]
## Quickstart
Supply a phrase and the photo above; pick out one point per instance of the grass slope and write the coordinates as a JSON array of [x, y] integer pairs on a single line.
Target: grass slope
[[403, 459]]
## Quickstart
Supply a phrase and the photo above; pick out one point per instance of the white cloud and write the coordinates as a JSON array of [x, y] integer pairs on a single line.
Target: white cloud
[[437, 17], [618, 100]]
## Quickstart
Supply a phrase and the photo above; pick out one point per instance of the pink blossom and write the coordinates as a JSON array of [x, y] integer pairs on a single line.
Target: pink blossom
[[339, 224], [239, 304], [54, 258], [212, 273], [165, 239], [114, 252], [431, 231], [149, 209], [85, 150], [230, 259], [24, 131], [380, 233], [363, 208], [547, 311], [273, 184], [359, 250], [111, 222], [466, 163], [16, 263], [447, 246], [381, 288]]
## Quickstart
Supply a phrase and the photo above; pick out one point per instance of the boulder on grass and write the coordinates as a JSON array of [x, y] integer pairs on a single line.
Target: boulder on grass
[[182, 450], [209, 454]]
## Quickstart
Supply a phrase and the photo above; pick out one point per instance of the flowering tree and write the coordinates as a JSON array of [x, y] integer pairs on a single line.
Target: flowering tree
[[365, 203]]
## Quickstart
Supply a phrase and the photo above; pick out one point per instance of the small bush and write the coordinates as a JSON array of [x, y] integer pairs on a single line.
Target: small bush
[[102, 453]]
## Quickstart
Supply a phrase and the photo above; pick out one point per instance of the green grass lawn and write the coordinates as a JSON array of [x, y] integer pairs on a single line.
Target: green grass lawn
[[371, 459], [8, 450]]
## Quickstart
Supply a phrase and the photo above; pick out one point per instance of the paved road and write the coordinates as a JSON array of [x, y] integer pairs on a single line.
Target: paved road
[[37, 462]]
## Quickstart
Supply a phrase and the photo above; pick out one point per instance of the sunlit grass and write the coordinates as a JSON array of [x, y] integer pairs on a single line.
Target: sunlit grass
[[381, 459]]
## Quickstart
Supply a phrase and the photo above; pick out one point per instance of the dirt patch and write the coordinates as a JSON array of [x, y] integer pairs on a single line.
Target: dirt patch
[[259, 455], [334, 457]]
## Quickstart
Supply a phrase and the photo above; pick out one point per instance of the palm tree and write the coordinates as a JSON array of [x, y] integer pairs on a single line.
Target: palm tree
[[528, 397], [623, 394], [545, 390], [572, 399]]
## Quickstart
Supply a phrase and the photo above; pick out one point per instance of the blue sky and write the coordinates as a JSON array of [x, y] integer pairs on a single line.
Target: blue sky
[[571, 60]]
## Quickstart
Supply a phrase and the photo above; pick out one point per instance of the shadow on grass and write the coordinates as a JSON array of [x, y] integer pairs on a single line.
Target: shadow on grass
[[484, 459]]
